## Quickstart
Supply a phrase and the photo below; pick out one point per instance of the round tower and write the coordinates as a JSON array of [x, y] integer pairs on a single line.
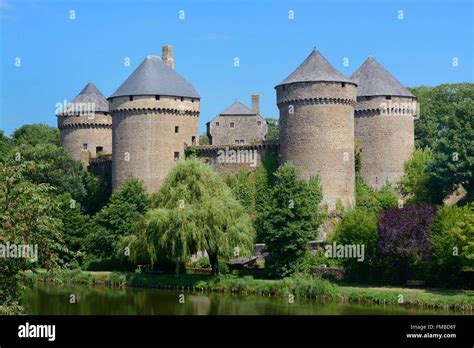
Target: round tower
[[86, 126], [384, 123], [316, 104], [154, 117]]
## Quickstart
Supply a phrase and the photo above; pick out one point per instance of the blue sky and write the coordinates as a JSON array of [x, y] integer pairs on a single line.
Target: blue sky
[[60, 55]]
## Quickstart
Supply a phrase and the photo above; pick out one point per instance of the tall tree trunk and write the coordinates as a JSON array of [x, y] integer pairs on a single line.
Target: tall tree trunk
[[214, 263]]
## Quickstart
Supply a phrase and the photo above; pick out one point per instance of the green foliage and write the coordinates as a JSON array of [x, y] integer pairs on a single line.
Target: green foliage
[[75, 228], [195, 211], [203, 262], [446, 126], [99, 190], [452, 235], [273, 133], [36, 134], [117, 218], [27, 216], [374, 200], [299, 285], [192, 151], [6, 145], [359, 227], [203, 139], [289, 222], [413, 184], [55, 167]]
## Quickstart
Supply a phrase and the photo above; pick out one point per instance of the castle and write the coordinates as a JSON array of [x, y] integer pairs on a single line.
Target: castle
[[148, 122]]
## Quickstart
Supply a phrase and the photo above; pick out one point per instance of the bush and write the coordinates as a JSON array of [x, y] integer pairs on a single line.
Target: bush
[[452, 234], [202, 263], [359, 227], [404, 241]]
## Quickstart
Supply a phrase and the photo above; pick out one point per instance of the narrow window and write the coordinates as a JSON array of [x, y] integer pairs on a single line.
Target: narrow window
[[343, 84], [157, 97], [193, 140], [236, 141], [242, 141], [388, 97], [176, 156], [217, 124], [232, 125], [176, 129], [131, 98], [111, 100], [84, 146], [259, 123], [98, 149], [182, 99]]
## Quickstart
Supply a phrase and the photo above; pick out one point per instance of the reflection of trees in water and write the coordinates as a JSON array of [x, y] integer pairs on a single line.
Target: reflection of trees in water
[[54, 299]]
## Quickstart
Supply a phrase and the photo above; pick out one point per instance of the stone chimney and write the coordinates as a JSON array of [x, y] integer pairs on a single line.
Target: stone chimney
[[256, 103], [167, 56]]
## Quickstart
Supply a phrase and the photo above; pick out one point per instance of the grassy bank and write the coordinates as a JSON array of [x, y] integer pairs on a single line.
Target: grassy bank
[[299, 287]]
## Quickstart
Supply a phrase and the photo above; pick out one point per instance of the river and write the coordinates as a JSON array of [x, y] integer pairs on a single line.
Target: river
[[71, 300]]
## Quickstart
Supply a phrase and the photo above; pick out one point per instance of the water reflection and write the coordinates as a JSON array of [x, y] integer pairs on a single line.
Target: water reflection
[[53, 299]]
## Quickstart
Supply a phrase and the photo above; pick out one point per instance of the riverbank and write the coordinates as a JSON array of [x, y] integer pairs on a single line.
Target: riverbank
[[298, 287]]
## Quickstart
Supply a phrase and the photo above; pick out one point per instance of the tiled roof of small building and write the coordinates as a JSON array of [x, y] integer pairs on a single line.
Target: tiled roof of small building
[[90, 94], [154, 77], [315, 68], [374, 80], [237, 108]]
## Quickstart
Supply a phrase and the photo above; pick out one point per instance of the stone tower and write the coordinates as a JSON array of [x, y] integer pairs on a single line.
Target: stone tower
[[86, 126], [384, 126], [316, 104], [154, 117]]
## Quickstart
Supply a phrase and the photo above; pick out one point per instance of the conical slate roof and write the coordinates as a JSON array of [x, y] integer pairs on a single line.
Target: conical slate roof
[[154, 77], [315, 68], [237, 108], [90, 94], [374, 80]]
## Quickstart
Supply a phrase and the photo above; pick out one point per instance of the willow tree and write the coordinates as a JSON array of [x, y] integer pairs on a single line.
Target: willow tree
[[195, 211]]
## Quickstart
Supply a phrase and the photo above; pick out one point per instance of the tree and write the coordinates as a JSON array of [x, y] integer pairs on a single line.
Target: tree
[[117, 218], [54, 167], [6, 145], [414, 183], [437, 105], [452, 234], [195, 211], [404, 240], [452, 162], [446, 126], [273, 133], [359, 227], [27, 217], [35, 134], [374, 200], [203, 139], [290, 222]]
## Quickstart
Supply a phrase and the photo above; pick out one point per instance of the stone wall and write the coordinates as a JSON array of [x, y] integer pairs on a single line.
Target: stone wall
[[145, 137], [386, 137], [221, 160], [94, 130], [246, 128], [317, 135]]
